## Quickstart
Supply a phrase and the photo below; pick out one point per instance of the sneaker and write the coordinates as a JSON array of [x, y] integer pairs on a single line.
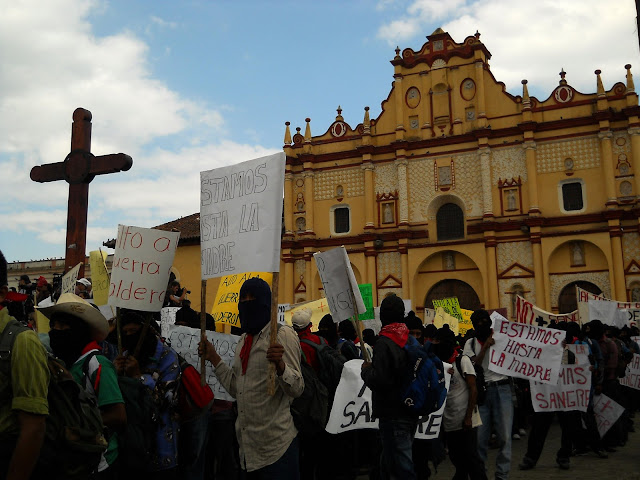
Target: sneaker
[[563, 463], [515, 436], [526, 464], [601, 453], [522, 432]]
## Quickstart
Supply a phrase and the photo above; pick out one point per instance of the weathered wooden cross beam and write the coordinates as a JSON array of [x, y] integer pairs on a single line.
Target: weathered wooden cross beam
[[78, 169]]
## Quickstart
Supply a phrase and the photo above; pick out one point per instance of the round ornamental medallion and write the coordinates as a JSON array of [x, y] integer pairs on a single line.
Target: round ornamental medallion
[[620, 141], [413, 97], [626, 188], [468, 89], [338, 129], [624, 168], [299, 182], [563, 94]]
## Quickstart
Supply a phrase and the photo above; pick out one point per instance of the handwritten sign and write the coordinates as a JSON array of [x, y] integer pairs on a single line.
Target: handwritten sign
[[442, 318], [167, 320], [570, 393], [366, 291], [583, 297], [607, 412], [241, 217], [319, 308], [70, 278], [282, 309], [527, 312], [429, 316], [450, 305], [140, 270], [526, 351], [465, 324], [352, 406], [632, 378], [184, 340], [99, 277], [581, 352], [225, 305], [339, 283]]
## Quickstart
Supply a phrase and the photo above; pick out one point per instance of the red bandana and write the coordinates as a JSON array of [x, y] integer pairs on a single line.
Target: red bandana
[[244, 353]]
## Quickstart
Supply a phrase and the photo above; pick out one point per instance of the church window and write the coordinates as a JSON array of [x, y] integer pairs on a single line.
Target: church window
[[340, 219], [450, 222], [572, 196]]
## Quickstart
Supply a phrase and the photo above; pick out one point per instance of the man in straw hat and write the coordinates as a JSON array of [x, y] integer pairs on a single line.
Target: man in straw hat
[[76, 327], [23, 396], [266, 434]]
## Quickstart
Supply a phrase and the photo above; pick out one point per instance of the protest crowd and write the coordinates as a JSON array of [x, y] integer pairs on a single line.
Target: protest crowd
[[107, 398]]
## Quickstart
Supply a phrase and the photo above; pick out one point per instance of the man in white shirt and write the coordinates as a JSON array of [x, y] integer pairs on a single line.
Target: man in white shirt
[[497, 411]]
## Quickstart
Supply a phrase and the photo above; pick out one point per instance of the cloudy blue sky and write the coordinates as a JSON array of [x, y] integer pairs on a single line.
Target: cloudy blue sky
[[186, 86]]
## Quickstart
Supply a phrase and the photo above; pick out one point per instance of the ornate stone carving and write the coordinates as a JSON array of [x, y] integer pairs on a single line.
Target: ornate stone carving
[[300, 270], [388, 264], [508, 163], [386, 178], [558, 282], [507, 285], [631, 247], [585, 153], [351, 179], [514, 252]]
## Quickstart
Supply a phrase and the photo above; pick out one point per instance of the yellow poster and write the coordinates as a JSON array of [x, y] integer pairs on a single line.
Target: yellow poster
[[465, 324], [443, 317], [225, 306], [99, 277], [319, 308]]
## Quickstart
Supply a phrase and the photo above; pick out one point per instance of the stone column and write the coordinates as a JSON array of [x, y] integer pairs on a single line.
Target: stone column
[[308, 199], [620, 287], [487, 190], [371, 276], [492, 272], [308, 275], [369, 193], [532, 177], [288, 280], [406, 281], [482, 113], [399, 94], [538, 268], [288, 204], [401, 166], [607, 167]]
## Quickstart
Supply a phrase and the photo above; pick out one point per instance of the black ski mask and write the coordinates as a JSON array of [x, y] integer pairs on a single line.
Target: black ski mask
[[254, 314]]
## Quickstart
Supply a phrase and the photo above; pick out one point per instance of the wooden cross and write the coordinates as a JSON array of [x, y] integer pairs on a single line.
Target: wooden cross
[[78, 169]]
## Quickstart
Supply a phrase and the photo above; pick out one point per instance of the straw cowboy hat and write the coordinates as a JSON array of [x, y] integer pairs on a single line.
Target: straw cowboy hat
[[78, 307]]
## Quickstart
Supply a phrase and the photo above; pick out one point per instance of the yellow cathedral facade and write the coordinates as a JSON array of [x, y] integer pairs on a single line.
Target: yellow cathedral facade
[[459, 188]]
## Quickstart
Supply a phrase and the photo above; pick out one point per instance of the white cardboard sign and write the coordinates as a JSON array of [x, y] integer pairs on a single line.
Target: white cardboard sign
[[339, 283], [526, 351], [140, 269], [167, 319], [69, 280], [184, 340], [607, 412], [632, 378], [241, 217], [352, 407], [608, 313], [570, 393]]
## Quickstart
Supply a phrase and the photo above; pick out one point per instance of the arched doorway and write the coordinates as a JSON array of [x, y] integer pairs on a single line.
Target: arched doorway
[[568, 301], [467, 296]]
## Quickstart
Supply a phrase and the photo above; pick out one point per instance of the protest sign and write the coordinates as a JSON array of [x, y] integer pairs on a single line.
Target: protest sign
[[607, 412], [339, 284], [241, 217], [527, 312], [225, 305], [465, 324], [570, 393], [443, 318], [184, 340], [140, 270], [69, 280], [607, 312], [429, 316], [167, 320], [319, 308], [583, 297], [450, 305], [366, 291], [526, 351], [632, 378], [99, 277], [581, 352], [352, 409], [282, 309]]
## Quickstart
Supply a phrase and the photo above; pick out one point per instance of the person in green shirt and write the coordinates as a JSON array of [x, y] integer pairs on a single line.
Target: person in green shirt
[[76, 327]]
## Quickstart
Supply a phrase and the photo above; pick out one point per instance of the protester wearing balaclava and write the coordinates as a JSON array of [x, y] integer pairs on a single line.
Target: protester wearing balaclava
[[255, 312], [130, 341]]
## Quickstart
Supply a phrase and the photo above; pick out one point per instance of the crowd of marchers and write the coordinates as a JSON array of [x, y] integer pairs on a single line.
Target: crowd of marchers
[[82, 402]]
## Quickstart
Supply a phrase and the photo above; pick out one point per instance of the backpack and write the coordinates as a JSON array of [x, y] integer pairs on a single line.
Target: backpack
[[424, 390], [193, 399], [74, 437], [137, 443], [310, 409], [331, 362], [481, 384]]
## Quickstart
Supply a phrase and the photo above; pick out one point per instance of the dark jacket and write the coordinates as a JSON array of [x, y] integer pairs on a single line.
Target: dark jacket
[[386, 374]]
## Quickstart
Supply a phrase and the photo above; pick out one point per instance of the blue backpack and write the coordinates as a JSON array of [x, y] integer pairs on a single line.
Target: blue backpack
[[424, 390]]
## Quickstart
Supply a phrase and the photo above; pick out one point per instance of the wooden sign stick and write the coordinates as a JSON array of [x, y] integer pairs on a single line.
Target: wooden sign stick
[[203, 327], [273, 337], [358, 325]]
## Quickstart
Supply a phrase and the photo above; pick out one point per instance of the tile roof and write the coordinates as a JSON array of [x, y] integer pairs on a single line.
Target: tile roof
[[189, 227]]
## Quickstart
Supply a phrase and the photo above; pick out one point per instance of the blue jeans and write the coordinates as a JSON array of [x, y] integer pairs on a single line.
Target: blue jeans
[[287, 467], [497, 415], [397, 436]]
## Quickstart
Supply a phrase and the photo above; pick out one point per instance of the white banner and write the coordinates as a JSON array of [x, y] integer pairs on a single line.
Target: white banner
[[630, 310], [583, 298], [608, 313], [527, 312], [607, 413], [526, 351], [581, 352], [167, 319], [352, 405], [140, 270], [241, 217], [632, 378], [571, 393], [69, 280], [184, 340], [339, 283]]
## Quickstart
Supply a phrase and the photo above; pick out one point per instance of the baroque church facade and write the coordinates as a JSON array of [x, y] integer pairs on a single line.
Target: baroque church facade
[[459, 188]]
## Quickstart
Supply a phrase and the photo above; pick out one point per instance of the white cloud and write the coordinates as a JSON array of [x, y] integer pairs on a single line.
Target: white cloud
[[163, 23]]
